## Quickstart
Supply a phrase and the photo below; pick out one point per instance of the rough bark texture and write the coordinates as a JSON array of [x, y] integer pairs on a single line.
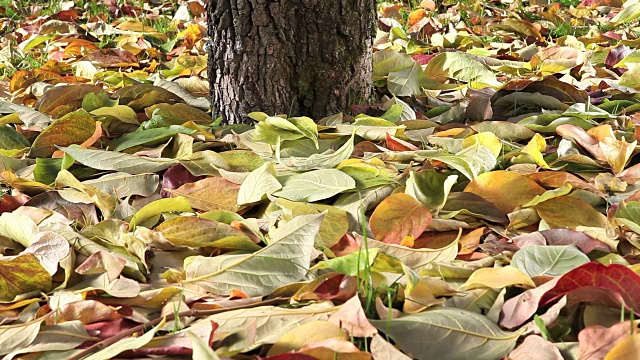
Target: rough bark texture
[[297, 57]]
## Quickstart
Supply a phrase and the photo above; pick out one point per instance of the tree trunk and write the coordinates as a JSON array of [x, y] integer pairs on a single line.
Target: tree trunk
[[295, 57]]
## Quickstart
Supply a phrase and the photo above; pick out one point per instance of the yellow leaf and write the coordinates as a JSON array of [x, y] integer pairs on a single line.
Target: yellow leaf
[[497, 278], [534, 148], [627, 349], [506, 189], [487, 139], [617, 153], [310, 332]]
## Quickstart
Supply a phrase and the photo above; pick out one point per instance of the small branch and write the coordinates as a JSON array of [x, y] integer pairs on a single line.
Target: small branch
[[187, 313]]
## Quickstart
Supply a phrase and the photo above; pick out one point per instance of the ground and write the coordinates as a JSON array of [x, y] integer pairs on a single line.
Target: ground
[[484, 204]]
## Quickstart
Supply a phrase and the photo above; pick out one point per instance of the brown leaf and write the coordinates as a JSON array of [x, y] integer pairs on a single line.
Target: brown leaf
[[213, 193], [63, 95], [73, 128]]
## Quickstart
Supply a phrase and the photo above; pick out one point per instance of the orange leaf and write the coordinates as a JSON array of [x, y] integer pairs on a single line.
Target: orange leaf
[[506, 189], [90, 141], [398, 216]]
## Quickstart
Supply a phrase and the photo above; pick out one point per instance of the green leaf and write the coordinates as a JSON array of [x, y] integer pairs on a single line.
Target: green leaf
[[93, 101], [21, 275], [123, 185], [326, 160], [471, 162], [197, 232], [459, 66], [18, 227], [536, 260], [627, 214], [73, 128], [504, 130], [179, 204], [177, 114], [121, 112], [386, 61], [315, 185], [408, 81], [284, 261], [430, 188], [333, 227], [115, 161], [453, 334], [630, 11], [11, 139], [259, 184], [150, 136], [46, 170]]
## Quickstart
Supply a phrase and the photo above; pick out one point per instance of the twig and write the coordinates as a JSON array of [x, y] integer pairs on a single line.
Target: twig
[[187, 313]]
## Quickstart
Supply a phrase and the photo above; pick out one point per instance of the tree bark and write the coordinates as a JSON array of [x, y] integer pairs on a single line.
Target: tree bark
[[295, 57]]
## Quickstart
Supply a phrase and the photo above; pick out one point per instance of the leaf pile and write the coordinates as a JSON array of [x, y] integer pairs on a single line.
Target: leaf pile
[[487, 207]]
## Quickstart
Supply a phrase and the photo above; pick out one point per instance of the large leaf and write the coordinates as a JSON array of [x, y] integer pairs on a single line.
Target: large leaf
[[213, 193], [115, 161], [198, 232], [471, 161], [408, 81], [315, 185], [64, 336], [14, 337], [459, 66], [397, 217], [123, 185], [615, 285], [260, 183], [63, 95], [334, 225], [284, 261], [73, 128], [326, 160], [548, 260], [451, 333], [269, 322], [507, 190], [21, 275], [10, 139]]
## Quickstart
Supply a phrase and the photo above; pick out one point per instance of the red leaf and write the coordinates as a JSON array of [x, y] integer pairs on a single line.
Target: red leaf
[[176, 176], [396, 144], [423, 59], [612, 285]]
